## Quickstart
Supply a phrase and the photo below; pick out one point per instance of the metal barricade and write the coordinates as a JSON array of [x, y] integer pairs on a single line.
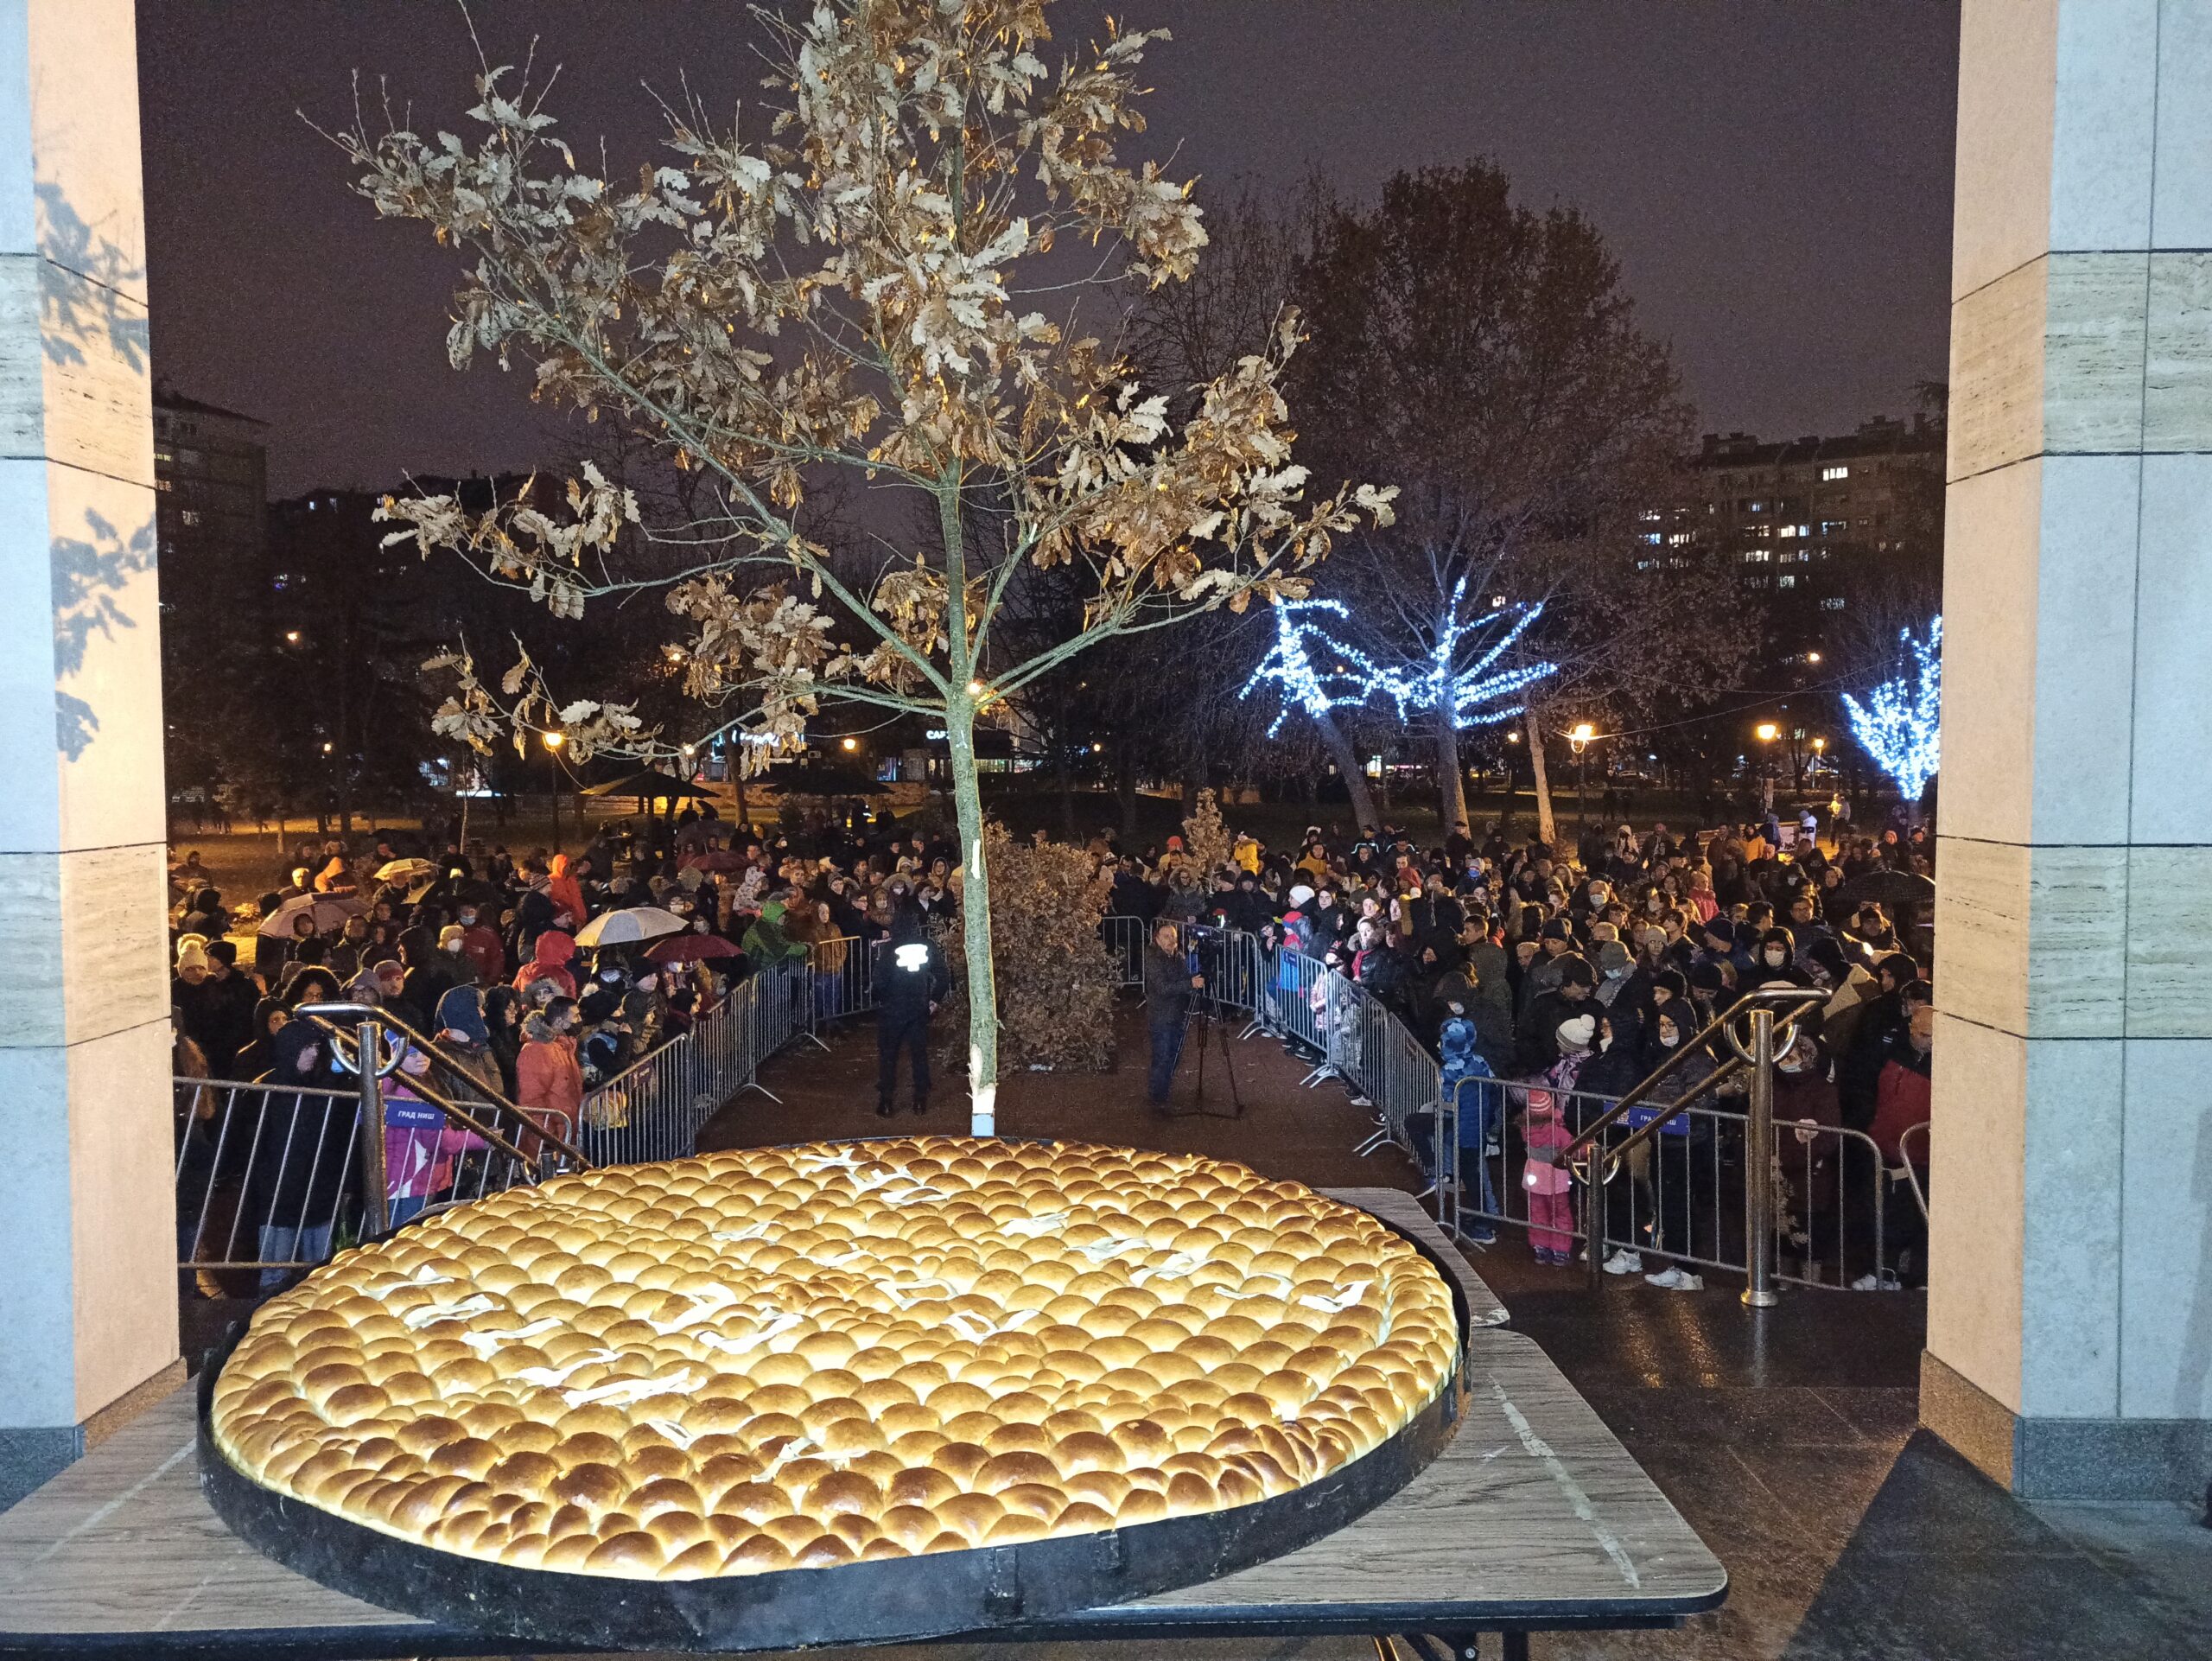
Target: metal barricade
[[1912, 1165], [655, 1108], [1125, 936], [844, 974], [1680, 1196], [273, 1177]]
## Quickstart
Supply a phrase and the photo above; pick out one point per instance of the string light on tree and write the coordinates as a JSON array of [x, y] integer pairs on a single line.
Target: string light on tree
[[1898, 724], [1472, 694]]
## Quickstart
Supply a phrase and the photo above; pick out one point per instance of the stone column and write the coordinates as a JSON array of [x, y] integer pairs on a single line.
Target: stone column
[[2069, 1344], [87, 1241]]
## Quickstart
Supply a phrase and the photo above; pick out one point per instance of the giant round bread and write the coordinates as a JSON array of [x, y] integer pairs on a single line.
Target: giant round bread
[[793, 1357]]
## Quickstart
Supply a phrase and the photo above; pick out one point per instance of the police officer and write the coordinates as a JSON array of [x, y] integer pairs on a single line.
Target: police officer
[[912, 983]]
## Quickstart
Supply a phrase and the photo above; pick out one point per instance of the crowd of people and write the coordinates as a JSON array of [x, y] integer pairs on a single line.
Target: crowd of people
[[1544, 978], [1548, 981], [476, 954]]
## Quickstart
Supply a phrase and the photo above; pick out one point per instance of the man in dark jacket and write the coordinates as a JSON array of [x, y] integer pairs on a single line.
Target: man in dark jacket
[[1536, 1038], [1168, 985], [912, 981]]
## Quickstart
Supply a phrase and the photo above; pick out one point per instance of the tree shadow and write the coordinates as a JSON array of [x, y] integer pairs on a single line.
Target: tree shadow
[[84, 311], [89, 573], [97, 309]]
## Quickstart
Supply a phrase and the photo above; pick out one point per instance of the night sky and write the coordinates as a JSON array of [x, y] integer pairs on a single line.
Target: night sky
[[1775, 178]]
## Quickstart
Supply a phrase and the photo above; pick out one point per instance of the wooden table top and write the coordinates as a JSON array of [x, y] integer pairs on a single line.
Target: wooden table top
[[1533, 1515], [1403, 1212]]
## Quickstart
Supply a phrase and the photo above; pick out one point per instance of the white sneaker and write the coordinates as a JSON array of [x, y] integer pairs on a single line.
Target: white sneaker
[[1361, 1101], [1875, 1283], [1624, 1261], [1676, 1278]]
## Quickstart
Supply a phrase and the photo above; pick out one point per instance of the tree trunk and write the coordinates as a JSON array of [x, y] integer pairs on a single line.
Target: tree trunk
[[1339, 748], [1547, 830], [1451, 783], [975, 919]]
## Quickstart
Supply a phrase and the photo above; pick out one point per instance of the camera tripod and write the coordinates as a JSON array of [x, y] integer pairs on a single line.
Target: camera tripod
[[1204, 1016]]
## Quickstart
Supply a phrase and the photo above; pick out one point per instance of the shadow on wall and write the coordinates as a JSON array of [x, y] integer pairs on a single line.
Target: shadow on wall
[[85, 314]]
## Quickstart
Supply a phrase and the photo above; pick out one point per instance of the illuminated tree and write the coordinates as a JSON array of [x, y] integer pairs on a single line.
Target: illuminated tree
[[1485, 356], [838, 296], [1900, 722]]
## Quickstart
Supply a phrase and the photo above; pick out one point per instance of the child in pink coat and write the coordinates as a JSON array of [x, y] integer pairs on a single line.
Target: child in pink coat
[[1545, 1177]]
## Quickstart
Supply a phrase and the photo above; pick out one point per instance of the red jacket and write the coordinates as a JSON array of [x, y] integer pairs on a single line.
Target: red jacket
[[1901, 1101]]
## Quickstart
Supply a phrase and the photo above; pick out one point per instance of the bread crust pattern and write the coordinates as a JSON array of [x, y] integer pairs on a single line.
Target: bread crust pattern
[[795, 1358]]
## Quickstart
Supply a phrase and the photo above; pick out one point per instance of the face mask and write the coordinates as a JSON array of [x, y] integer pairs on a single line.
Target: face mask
[[1791, 1067], [1669, 1041], [1774, 959], [468, 919]]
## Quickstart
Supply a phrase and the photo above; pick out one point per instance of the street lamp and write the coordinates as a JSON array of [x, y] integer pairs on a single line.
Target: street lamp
[[1578, 740], [1766, 732], [849, 744], [553, 741], [291, 637]]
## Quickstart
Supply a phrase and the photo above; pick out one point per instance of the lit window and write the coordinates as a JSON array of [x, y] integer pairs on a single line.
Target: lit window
[[1651, 536], [1757, 556], [1835, 527], [1828, 476], [1677, 538], [1787, 531], [1787, 581], [1804, 530], [1835, 604], [190, 516], [1755, 507], [1650, 513]]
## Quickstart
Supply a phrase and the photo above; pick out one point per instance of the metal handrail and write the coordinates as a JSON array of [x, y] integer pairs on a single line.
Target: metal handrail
[[1637, 1095], [364, 1014], [1759, 1005]]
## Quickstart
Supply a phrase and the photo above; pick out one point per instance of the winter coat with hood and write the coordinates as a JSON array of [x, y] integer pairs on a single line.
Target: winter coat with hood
[[548, 1075], [566, 894], [549, 960]]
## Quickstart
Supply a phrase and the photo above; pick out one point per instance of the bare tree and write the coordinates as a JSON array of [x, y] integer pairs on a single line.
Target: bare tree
[[842, 292]]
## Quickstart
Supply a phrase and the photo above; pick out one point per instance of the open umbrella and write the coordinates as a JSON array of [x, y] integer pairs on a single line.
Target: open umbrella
[[628, 926], [1887, 887], [718, 860], [405, 870], [690, 948], [329, 910]]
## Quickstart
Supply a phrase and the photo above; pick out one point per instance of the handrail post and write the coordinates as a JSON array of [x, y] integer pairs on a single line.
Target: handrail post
[[1759, 1169], [376, 1215], [1594, 1213]]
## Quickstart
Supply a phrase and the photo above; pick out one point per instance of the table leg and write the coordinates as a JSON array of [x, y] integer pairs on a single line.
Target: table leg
[[1517, 1645]]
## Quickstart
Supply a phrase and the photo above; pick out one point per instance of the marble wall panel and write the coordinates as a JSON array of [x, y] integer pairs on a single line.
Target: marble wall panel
[[2000, 214], [1977, 1223], [2070, 1257], [38, 1382], [2169, 926], [2104, 92], [2169, 791], [96, 393], [2083, 696], [1996, 372], [2178, 376], [1991, 540], [2165, 1217], [122, 1214], [2182, 200], [84, 156], [114, 947]]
